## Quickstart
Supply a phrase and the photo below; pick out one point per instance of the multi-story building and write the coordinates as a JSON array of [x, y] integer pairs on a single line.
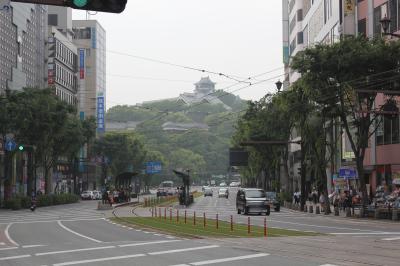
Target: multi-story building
[[23, 35], [305, 23], [62, 55], [90, 40], [324, 21], [382, 158]]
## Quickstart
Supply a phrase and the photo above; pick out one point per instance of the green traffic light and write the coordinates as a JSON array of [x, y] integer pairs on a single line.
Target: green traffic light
[[80, 3], [20, 147]]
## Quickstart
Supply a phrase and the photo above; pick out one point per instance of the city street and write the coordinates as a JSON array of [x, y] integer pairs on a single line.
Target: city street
[[77, 234]]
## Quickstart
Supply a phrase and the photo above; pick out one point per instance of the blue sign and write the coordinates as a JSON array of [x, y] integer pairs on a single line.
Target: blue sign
[[10, 145], [100, 115], [93, 37], [348, 173], [153, 167]]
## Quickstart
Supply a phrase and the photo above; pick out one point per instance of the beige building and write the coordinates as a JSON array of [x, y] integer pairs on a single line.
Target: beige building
[[90, 40]]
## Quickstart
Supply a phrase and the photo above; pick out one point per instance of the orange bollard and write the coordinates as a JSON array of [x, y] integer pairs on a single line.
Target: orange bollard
[[159, 213], [170, 214], [165, 213], [216, 221], [177, 216], [204, 219], [231, 223], [194, 218], [248, 225], [152, 212], [185, 216]]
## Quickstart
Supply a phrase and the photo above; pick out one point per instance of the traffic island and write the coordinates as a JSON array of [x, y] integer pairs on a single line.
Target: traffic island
[[201, 227]]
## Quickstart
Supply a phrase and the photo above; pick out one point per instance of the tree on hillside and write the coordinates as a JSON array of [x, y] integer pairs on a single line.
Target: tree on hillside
[[186, 159]]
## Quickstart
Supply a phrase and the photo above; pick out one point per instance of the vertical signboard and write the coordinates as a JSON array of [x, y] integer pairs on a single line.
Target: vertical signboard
[[81, 63], [93, 37], [100, 114]]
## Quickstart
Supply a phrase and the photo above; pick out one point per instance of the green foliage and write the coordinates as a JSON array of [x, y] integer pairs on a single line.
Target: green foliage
[[123, 150], [24, 202]]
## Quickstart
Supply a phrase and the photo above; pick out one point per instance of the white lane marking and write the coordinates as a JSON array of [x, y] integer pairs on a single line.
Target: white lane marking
[[367, 233], [100, 259], [2, 244], [328, 265], [245, 257], [76, 233], [52, 221], [8, 248], [148, 243], [8, 235], [321, 226], [33, 246], [181, 265], [391, 239], [181, 250], [72, 250], [15, 257], [146, 232]]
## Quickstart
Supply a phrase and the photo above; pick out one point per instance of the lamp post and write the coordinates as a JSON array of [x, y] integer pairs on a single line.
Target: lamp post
[[385, 23], [279, 85]]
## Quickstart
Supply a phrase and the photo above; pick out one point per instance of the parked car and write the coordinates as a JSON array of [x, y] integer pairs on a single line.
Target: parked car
[[272, 198], [87, 195], [223, 184], [97, 195], [252, 200], [208, 192], [223, 192]]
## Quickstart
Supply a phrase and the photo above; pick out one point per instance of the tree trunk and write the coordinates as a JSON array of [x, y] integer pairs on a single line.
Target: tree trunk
[[363, 187], [47, 180], [289, 187]]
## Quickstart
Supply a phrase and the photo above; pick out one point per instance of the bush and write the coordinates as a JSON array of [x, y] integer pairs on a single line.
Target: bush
[[13, 203], [19, 202]]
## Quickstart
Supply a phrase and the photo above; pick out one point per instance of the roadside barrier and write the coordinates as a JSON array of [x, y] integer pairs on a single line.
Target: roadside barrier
[[248, 225], [204, 219], [231, 223], [216, 221]]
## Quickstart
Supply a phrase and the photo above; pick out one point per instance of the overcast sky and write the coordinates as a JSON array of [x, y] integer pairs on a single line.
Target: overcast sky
[[239, 38]]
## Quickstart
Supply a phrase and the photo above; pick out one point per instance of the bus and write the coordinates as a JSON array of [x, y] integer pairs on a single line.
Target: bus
[[166, 188]]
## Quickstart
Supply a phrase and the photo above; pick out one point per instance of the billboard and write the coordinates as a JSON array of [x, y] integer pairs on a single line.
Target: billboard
[[100, 114]]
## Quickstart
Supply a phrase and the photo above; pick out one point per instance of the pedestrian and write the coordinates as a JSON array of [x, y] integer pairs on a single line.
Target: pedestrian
[[322, 201], [315, 196]]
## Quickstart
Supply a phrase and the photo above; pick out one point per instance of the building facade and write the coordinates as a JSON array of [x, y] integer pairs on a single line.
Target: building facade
[[305, 23], [62, 55], [382, 159], [23, 50], [23, 56], [90, 40], [308, 22]]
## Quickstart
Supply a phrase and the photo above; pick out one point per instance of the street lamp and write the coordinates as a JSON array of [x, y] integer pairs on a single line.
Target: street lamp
[[385, 23], [278, 85]]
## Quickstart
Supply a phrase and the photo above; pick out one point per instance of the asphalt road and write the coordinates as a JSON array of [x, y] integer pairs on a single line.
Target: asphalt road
[[77, 234]]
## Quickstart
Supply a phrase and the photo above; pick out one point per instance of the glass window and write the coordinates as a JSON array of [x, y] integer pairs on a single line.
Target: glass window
[[255, 193]]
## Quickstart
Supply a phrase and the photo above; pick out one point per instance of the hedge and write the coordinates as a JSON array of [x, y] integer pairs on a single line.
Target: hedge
[[24, 202]]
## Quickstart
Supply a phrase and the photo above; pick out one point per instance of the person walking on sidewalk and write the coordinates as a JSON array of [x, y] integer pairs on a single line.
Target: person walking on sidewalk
[[322, 201]]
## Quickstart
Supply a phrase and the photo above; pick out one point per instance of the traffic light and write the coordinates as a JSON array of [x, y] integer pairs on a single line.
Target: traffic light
[[111, 6]]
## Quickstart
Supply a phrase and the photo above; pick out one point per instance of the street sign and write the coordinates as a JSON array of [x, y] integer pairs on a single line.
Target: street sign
[[10, 145], [153, 167]]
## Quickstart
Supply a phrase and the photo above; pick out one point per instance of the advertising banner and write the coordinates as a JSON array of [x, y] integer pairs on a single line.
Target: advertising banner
[[81, 63], [100, 114]]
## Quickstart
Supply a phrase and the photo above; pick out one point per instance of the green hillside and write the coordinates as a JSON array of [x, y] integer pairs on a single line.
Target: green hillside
[[205, 152]]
